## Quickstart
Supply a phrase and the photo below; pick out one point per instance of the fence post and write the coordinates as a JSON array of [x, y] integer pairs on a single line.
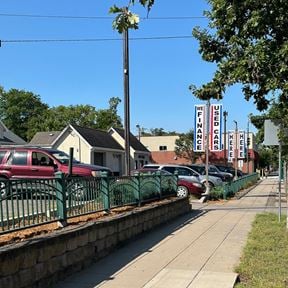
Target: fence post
[[104, 184], [61, 198], [139, 178], [159, 176], [227, 187]]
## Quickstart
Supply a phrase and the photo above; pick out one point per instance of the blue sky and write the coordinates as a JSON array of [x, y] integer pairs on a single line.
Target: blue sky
[[70, 73]]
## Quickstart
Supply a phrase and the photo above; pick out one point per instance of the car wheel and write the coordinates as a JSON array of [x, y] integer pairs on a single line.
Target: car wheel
[[3, 190], [182, 191]]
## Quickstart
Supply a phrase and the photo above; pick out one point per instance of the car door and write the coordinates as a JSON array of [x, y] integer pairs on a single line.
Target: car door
[[42, 166], [183, 172], [17, 164], [187, 174]]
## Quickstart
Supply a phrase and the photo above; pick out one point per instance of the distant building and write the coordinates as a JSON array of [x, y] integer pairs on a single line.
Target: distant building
[[45, 139], [162, 149]]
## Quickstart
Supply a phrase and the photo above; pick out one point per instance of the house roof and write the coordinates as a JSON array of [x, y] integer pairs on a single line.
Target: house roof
[[44, 138], [134, 142], [97, 138], [6, 141], [7, 137]]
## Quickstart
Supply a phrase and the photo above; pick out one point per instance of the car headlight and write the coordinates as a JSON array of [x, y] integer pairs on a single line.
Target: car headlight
[[95, 173], [199, 185], [100, 173]]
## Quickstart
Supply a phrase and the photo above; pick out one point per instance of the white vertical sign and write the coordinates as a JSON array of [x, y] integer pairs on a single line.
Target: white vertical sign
[[241, 144], [216, 127], [199, 128], [230, 146]]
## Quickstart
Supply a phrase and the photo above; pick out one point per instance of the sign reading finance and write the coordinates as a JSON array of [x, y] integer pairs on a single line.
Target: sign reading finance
[[216, 127], [241, 144], [199, 130]]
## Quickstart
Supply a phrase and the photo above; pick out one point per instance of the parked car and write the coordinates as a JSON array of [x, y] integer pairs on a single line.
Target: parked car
[[212, 171], [32, 162], [229, 169], [184, 186], [202, 170], [187, 173]]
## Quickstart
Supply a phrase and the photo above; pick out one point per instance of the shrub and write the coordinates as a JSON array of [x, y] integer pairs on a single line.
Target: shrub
[[217, 193]]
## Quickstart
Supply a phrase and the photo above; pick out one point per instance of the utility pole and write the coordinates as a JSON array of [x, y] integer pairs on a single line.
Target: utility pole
[[279, 177], [207, 146], [236, 148], [248, 144], [126, 100], [225, 114]]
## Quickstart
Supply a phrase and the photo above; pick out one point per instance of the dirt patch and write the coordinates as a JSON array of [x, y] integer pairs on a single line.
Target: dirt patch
[[27, 233]]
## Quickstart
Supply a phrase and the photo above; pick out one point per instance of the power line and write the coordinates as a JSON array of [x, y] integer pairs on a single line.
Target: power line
[[93, 39], [175, 18], [98, 17], [55, 16]]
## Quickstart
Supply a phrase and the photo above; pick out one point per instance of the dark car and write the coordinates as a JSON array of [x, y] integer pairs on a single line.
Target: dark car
[[32, 162], [212, 171], [229, 169]]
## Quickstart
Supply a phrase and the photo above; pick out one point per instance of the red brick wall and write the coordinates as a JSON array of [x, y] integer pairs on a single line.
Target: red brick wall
[[167, 157]]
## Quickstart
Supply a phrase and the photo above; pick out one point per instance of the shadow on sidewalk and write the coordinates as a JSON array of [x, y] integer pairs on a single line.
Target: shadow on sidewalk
[[103, 269]]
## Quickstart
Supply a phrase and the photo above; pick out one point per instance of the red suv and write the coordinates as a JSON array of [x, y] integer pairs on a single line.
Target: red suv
[[30, 162]]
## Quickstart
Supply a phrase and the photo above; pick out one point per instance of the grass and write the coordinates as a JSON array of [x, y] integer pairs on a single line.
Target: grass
[[264, 263]]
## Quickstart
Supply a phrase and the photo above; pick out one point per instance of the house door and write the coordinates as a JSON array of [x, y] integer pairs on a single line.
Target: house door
[[98, 159], [117, 164]]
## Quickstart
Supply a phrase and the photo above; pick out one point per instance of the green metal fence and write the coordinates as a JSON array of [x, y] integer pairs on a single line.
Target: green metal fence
[[233, 187], [33, 202]]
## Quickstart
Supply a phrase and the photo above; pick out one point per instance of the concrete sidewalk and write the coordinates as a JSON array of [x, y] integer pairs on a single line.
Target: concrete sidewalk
[[199, 250]]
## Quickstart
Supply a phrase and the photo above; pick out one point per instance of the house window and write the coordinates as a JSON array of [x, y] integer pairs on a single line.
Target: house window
[[98, 159], [163, 148]]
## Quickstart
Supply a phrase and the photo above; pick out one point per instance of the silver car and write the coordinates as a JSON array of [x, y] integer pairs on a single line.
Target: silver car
[[187, 173]]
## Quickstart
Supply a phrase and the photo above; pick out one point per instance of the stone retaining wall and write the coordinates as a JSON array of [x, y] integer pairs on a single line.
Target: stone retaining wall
[[43, 260]]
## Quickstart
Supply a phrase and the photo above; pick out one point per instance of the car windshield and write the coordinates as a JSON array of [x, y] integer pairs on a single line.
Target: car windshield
[[222, 169], [63, 157], [199, 169]]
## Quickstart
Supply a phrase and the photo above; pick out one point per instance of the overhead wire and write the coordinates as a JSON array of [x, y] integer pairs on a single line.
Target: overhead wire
[[94, 18], [98, 17], [94, 39]]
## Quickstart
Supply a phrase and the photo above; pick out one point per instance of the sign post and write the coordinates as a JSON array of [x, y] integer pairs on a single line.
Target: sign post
[[208, 132]]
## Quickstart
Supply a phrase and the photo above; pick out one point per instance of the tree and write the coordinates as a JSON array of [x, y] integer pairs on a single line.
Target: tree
[[248, 41], [161, 132], [125, 19], [106, 118], [24, 113], [19, 109], [184, 147], [268, 155], [157, 132], [57, 118]]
